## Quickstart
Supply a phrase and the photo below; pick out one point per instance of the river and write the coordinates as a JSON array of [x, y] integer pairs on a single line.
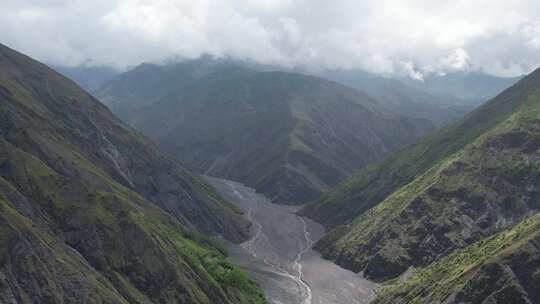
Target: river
[[279, 255]]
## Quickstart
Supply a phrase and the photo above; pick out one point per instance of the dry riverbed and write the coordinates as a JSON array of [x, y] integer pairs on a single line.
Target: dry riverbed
[[280, 258]]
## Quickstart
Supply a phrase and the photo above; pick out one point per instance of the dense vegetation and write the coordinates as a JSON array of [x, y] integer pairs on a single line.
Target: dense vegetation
[[91, 212]]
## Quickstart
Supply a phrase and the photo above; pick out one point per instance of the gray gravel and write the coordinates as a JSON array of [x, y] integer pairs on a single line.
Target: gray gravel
[[279, 255]]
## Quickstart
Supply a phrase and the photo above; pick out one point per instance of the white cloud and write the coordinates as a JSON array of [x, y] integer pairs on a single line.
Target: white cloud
[[382, 36], [458, 60], [411, 70]]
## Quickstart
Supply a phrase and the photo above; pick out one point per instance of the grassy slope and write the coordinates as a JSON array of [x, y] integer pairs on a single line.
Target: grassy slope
[[373, 184], [503, 268], [140, 250], [464, 197], [78, 229], [41, 106], [40, 261]]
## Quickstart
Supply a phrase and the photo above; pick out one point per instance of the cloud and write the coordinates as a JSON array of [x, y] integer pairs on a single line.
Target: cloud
[[412, 37], [458, 60]]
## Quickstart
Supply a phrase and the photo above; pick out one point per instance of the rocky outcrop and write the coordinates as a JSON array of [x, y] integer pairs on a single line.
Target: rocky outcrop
[[500, 269]]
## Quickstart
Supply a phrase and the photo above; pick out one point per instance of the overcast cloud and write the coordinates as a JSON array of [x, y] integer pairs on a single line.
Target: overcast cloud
[[382, 36]]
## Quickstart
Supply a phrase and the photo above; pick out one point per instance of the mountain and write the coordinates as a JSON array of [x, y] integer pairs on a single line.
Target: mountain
[[90, 78], [128, 93], [407, 100], [455, 187], [472, 86], [92, 212], [287, 135], [503, 268]]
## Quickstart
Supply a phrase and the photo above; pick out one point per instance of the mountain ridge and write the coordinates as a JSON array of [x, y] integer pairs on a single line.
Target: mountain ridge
[[403, 98], [297, 114], [472, 85]]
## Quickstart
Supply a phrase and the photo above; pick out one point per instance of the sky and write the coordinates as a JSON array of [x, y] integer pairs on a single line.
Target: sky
[[405, 37]]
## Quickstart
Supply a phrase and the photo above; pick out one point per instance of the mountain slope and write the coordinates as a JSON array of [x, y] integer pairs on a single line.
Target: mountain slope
[[62, 108], [404, 99], [81, 198], [90, 78], [289, 136], [453, 188], [501, 269], [128, 93], [375, 183]]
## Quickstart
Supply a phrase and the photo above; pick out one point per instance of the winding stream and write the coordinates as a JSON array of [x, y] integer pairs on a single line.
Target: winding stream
[[279, 255]]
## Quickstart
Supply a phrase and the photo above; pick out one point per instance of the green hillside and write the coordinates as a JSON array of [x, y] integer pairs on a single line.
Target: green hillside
[[91, 212], [372, 185], [503, 268], [458, 186]]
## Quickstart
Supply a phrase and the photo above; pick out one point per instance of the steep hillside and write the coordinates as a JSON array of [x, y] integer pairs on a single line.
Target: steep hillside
[[453, 188], [57, 106], [288, 135], [375, 183], [406, 100], [92, 213], [501, 269]]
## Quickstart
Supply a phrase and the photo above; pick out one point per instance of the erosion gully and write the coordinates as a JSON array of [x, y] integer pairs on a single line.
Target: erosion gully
[[279, 255]]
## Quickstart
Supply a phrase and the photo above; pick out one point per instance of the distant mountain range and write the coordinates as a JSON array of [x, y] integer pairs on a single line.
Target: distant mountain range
[[288, 135], [90, 78], [439, 98], [411, 101], [472, 86], [92, 212]]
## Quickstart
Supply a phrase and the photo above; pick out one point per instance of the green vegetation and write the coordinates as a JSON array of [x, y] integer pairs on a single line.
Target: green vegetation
[[35, 243], [376, 182], [452, 274], [287, 135], [91, 212], [456, 187]]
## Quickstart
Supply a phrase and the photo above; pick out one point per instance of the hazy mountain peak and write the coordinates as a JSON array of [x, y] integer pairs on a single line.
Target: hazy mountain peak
[[270, 129]]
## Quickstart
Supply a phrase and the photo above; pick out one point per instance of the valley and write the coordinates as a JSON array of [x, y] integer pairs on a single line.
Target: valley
[[288, 135], [324, 164], [279, 256]]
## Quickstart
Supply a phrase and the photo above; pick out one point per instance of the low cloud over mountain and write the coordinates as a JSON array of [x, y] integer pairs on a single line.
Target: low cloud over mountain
[[498, 37]]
